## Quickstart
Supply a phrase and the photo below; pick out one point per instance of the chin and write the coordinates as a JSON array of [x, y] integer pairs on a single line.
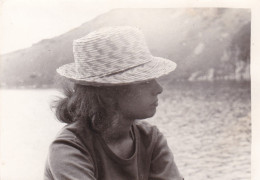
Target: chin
[[151, 115], [148, 115], [143, 114]]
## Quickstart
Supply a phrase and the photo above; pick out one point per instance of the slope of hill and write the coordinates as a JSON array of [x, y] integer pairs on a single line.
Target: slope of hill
[[207, 44]]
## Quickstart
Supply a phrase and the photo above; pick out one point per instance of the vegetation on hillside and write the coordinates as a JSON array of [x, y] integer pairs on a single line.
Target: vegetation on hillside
[[207, 44]]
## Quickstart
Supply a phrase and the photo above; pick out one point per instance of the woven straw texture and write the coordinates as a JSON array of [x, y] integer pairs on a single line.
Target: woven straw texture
[[114, 56]]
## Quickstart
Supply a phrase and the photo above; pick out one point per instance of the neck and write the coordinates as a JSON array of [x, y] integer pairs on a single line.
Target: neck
[[118, 131]]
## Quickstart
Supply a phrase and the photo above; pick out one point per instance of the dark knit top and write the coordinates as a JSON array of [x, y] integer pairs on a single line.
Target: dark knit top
[[79, 153]]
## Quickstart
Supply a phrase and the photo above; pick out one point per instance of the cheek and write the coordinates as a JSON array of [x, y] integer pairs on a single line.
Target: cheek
[[143, 108], [133, 108], [137, 104]]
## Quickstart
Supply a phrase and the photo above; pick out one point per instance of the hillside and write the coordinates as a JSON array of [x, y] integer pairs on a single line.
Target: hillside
[[207, 44]]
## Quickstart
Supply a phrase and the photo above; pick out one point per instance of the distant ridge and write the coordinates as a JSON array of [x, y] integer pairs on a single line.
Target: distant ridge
[[207, 44]]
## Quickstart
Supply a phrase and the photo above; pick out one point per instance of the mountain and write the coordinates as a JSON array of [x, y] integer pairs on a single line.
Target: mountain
[[206, 43]]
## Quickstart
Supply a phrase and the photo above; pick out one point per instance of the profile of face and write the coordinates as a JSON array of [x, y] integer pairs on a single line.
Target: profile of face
[[140, 100]]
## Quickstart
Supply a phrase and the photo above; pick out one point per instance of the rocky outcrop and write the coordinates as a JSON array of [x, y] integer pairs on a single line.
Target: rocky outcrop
[[207, 44]]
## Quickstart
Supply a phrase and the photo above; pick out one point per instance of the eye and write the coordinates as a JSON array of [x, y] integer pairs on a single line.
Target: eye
[[149, 81], [145, 83]]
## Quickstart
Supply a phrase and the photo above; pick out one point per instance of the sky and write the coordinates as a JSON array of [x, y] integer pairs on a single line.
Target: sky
[[25, 22]]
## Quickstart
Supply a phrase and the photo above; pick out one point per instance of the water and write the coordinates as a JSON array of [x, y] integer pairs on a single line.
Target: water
[[208, 127], [27, 128]]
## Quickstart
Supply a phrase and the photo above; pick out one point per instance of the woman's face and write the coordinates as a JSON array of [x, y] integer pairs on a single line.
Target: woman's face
[[140, 100]]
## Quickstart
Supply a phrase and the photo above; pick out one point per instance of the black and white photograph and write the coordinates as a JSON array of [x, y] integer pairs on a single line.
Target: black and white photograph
[[104, 91]]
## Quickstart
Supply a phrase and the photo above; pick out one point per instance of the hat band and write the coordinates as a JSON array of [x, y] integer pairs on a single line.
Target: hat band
[[115, 72], [83, 70]]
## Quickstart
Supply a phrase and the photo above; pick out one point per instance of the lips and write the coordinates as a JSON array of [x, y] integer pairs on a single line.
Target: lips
[[155, 103]]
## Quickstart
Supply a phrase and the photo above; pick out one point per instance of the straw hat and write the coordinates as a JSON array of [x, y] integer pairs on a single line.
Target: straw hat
[[114, 56]]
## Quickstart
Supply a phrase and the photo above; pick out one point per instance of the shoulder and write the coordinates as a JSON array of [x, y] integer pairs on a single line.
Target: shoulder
[[69, 156], [148, 133], [75, 135], [67, 133], [146, 128]]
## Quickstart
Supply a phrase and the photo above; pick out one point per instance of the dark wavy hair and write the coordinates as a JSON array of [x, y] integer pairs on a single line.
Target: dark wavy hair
[[88, 103]]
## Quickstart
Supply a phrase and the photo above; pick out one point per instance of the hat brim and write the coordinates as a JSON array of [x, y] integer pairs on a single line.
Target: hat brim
[[155, 68]]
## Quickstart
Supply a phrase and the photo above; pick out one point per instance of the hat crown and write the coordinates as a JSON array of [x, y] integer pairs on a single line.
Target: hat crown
[[110, 50]]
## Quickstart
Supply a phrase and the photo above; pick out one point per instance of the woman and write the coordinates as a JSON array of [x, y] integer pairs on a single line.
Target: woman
[[115, 85]]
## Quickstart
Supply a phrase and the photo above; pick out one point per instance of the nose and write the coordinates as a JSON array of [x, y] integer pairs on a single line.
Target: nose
[[157, 88]]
